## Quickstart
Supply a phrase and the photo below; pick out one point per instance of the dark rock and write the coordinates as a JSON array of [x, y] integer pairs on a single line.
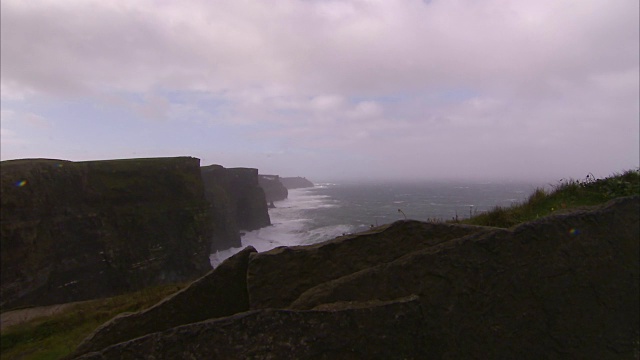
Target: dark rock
[[277, 277], [222, 292], [561, 287], [238, 203], [80, 230], [376, 330], [273, 188], [296, 182], [565, 286]]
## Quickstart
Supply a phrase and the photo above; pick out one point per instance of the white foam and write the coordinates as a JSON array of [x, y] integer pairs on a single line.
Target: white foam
[[324, 185], [219, 256], [324, 233], [290, 226]]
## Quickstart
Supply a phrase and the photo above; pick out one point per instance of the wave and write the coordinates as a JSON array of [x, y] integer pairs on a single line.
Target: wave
[[291, 225], [324, 185]]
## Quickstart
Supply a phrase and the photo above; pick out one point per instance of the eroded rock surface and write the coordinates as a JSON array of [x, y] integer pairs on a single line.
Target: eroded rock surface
[[377, 331], [563, 286], [277, 277]]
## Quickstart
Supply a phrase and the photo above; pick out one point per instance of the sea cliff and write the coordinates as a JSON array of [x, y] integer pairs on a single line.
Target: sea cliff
[[296, 182], [274, 190], [81, 230], [238, 203], [74, 231]]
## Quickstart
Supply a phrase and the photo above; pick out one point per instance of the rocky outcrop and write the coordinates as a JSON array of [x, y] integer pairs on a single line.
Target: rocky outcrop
[[376, 330], [238, 203], [273, 188], [222, 292], [296, 182], [276, 278], [80, 230], [565, 286]]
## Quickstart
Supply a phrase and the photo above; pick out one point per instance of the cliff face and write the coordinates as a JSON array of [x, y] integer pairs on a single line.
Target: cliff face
[[565, 285], [274, 190], [276, 187], [80, 230], [296, 182], [238, 203]]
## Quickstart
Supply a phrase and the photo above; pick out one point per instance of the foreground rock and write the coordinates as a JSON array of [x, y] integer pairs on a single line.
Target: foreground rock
[[563, 286], [81, 230], [222, 292], [373, 331], [560, 287], [277, 277]]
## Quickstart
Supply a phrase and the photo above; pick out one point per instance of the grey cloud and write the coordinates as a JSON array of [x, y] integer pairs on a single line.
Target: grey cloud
[[344, 47], [542, 79]]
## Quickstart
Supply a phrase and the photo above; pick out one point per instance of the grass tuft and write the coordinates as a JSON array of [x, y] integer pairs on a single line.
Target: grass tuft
[[566, 195]]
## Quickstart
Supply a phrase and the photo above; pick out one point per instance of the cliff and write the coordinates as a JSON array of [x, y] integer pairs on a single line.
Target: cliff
[[296, 182], [565, 286], [238, 203], [80, 230], [273, 188]]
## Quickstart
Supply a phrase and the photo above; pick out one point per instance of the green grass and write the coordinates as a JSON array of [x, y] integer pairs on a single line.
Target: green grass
[[567, 195], [56, 336]]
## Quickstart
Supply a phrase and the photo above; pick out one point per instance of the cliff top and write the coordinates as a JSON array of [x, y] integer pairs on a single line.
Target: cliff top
[[295, 182]]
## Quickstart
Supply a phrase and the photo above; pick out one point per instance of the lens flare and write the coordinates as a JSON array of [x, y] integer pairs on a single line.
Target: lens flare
[[21, 183]]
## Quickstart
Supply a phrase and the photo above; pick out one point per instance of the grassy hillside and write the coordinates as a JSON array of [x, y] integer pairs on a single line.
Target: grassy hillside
[[567, 195], [56, 336]]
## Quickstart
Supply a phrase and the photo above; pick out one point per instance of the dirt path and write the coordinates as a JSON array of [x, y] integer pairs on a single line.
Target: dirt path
[[20, 316]]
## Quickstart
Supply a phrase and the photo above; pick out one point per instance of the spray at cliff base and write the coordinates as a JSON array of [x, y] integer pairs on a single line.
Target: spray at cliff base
[[329, 210], [296, 220]]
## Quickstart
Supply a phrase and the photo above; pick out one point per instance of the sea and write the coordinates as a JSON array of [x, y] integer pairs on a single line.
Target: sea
[[332, 209]]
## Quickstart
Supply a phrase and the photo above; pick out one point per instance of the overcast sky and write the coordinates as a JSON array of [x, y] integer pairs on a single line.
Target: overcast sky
[[468, 89]]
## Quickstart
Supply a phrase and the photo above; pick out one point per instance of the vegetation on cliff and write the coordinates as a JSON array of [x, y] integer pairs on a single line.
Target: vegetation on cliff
[[566, 196]]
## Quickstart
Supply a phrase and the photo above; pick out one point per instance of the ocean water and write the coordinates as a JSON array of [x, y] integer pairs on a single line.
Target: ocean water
[[329, 210]]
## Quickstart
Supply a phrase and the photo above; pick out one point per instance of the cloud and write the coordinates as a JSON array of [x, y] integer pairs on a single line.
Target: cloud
[[323, 103], [35, 120], [438, 82], [335, 47], [366, 109], [8, 136]]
